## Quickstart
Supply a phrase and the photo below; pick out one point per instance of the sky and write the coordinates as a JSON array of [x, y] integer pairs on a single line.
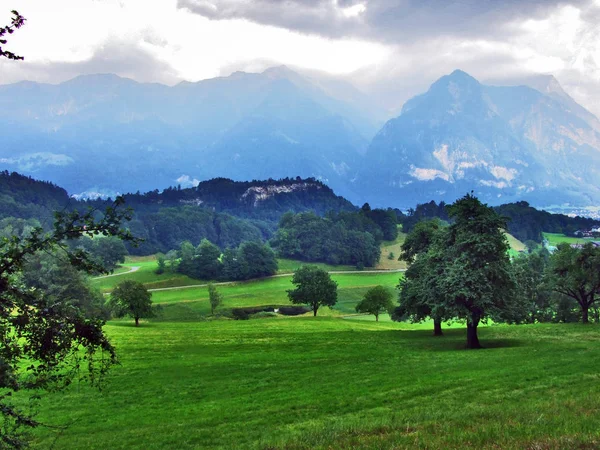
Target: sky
[[391, 49]]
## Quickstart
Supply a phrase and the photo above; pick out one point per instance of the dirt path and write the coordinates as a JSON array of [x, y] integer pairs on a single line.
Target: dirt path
[[133, 269]]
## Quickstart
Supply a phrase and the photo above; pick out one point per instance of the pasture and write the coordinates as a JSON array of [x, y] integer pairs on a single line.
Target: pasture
[[556, 238], [340, 380], [327, 382]]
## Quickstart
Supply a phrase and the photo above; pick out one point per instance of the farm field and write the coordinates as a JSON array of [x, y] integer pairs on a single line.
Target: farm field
[[556, 238], [331, 383]]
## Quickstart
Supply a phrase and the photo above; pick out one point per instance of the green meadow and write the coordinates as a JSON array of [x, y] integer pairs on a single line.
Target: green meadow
[[340, 380], [556, 238], [327, 382]]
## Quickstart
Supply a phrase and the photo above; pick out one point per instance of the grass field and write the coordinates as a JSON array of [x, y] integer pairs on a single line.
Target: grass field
[[394, 247], [290, 265], [334, 383], [145, 274], [555, 238], [340, 380], [192, 303]]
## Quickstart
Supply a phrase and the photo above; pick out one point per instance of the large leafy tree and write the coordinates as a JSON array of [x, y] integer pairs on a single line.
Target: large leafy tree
[[575, 273], [314, 287], [45, 339], [476, 282]]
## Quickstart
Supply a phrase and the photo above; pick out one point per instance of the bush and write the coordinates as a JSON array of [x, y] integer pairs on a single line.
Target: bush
[[293, 310], [245, 313], [239, 314], [263, 315]]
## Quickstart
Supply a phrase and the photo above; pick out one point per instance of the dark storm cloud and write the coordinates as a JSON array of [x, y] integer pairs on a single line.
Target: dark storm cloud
[[382, 20], [125, 59]]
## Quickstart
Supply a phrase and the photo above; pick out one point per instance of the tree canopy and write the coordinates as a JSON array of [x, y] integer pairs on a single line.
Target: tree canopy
[[314, 287], [461, 271], [575, 273], [46, 337], [377, 300], [131, 298]]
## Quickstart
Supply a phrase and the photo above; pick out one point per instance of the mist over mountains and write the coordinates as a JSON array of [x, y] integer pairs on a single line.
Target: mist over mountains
[[105, 134]]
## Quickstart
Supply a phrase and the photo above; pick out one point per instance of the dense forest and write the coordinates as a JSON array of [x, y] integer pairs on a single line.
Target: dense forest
[[301, 218], [524, 221]]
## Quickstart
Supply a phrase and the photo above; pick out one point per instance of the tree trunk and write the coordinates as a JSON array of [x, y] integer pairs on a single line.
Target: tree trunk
[[437, 327], [585, 314], [472, 339], [315, 308], [137, 321], [376, 317]]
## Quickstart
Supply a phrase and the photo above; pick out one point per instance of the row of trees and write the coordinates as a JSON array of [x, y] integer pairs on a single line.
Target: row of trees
[[463, 271], [205, 262], [345, 238]]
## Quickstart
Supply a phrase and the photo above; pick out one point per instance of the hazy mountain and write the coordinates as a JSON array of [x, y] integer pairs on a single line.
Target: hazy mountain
[[106, 134], [505, 143]]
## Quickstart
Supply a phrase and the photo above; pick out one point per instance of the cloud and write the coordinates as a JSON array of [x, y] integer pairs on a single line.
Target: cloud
[[187, 181], [381, 20], [123, 58], [331, 18]]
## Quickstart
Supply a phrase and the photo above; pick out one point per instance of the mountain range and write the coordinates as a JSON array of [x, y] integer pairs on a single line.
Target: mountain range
[[103, 134]]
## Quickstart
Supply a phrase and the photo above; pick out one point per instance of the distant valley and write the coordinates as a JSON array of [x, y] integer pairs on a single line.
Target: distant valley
[[101, 134]]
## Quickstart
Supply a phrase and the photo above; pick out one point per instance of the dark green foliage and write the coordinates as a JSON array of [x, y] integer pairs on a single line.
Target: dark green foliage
[[386, 220], [293, 310], [425, 211], [60, 282], [376, 301], [131, 298], [338, 239], [476, 281], [419, 295], [161, 264], [250, 260], [108, 252], [527, 223], [464, 272], [259, 259], [419, 239], [202, 262], [314, 287], [534, 297], [214, 298], [575, 273], [25, 198], [46, 339], [524, 222], [11, 226]]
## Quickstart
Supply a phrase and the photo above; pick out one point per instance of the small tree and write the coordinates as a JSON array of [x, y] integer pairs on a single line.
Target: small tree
[[131, 298], [314, 287], [375, 301], [214, 297], [161, 264]]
